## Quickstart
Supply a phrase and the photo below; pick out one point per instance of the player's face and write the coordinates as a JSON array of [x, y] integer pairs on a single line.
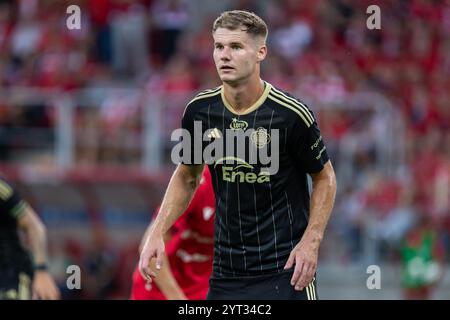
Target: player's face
[[237, 54]]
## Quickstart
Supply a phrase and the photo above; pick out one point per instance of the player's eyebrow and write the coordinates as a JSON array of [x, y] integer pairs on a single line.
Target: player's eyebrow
[[234, 43]]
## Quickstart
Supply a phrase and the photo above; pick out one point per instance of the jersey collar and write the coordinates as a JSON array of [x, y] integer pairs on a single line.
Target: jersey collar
[[255, 106]]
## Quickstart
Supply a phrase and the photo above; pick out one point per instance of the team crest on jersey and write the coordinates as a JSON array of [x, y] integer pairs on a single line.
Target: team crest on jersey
[[260, 137], [238, 124]]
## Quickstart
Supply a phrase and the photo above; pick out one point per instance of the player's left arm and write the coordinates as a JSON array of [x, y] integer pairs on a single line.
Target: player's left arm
[[43, 286], [306, 252], [311, 155]]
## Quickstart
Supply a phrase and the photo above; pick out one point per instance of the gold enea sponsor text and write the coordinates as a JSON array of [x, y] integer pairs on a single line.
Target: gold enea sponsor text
[[236, 174], [230, 174]]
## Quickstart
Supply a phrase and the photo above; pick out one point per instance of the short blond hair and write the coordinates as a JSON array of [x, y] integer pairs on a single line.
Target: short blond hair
[[243, 20]]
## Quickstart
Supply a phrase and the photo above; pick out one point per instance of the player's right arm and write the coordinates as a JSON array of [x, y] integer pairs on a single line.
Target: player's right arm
[[44, 286], [179, 193], [165, 280]]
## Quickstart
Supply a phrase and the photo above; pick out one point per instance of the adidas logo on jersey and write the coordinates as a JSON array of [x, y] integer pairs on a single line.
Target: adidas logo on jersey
[[215, 134]]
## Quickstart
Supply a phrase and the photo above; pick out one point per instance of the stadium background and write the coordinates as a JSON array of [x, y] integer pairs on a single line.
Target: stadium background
[[86, 117]]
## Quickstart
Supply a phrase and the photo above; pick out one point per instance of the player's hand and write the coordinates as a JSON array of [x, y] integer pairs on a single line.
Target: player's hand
[[304, 256], [153, 248], [44, 287]]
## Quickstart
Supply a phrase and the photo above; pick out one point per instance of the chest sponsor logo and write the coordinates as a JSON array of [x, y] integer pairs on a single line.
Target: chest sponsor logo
[[242, 172], [238, 125]]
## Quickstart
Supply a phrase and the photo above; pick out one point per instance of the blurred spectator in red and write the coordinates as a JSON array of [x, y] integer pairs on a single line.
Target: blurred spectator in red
[[129, 33], [171, 20]]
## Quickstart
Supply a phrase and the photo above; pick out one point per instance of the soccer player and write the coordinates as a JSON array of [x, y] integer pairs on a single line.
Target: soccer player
[[187, 268], [22, 276], [268, 228]]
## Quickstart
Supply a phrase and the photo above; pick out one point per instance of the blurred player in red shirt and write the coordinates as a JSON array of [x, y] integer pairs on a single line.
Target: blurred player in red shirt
[[189, 250]]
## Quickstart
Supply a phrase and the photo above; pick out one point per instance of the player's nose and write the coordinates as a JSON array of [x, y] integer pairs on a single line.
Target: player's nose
[[225, 54]]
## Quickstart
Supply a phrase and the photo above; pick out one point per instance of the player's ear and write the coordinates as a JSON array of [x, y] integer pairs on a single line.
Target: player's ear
[[262, 52]]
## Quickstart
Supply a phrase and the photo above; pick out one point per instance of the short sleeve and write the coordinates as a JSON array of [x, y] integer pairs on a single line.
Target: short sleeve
[[188, 146], [308, 145], [11, 202]]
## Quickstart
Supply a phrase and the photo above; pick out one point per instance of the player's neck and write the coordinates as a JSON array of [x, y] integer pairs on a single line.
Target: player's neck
[[243, 96]]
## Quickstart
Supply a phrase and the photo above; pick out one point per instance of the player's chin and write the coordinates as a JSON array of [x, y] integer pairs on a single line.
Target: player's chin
[[232, 81], [226, 77]]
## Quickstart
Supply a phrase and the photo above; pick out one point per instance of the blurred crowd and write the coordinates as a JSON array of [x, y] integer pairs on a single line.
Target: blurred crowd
[[319, 49]]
